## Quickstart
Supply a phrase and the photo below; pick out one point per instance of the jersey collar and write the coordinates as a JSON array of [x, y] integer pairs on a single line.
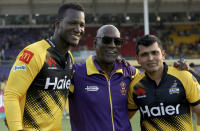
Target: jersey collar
[[163, 75], [93, 68]]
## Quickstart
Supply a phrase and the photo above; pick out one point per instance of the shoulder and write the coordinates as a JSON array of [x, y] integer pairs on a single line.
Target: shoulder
[[137, 79], [80, 66], [35, 51], [181, 74], [184, 76], [38, 46]]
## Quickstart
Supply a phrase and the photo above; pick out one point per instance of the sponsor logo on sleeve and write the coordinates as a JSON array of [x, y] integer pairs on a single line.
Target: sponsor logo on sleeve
[[26, 56], [17, 67]]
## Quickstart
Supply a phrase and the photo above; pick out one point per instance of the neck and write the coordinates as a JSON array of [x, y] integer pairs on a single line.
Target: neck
[[156, 76], [60, 44], [106, 67]]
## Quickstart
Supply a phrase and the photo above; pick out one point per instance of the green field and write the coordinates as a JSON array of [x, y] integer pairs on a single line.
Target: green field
[[66, 124]]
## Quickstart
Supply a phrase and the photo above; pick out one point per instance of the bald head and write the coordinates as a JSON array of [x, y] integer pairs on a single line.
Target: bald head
[[107, 29]]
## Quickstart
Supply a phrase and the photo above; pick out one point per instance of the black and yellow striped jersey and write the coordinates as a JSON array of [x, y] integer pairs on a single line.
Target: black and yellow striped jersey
[[37, 88], [166, 106]]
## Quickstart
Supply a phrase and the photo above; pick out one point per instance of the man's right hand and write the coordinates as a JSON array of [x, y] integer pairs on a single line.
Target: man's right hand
[[181, 65]]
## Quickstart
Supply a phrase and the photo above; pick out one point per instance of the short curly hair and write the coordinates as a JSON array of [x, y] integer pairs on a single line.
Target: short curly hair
[[67, 6]]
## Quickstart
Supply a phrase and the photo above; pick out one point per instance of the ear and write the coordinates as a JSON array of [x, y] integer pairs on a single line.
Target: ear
[[95, 43], [163, 54], [57, 23], [137, 58]]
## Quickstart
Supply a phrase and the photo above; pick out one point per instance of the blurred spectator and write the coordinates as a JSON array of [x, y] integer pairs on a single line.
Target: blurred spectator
[[3, 85], [12, 40], [192, 70], [2, 54]]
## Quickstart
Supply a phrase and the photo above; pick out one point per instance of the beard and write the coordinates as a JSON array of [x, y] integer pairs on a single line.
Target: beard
[[67, 42]]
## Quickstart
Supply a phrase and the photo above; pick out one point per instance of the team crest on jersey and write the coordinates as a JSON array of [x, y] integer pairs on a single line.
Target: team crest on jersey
[[141, 93], [26, 56], [174, 89], [123, 88]]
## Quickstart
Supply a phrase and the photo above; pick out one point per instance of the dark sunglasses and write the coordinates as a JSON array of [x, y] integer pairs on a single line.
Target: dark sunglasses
[[107, 40]]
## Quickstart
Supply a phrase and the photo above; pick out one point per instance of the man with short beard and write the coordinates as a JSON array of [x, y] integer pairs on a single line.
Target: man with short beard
[[163, 94], [39, 80]]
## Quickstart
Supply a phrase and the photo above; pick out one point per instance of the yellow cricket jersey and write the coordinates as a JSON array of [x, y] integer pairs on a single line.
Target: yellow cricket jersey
[[37, 88], [168, 105]]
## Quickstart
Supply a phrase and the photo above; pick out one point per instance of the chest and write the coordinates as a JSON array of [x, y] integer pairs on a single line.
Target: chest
[[97, 89], [55, 74], [169, 92]]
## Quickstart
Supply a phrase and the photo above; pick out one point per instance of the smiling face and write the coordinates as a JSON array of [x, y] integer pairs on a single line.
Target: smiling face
[[151, 57], [106, 48], [71, 27]]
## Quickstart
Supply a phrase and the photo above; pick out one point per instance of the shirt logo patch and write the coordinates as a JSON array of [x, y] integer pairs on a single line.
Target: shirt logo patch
[[26, 56], [141, 93], [91, 88], [51, 63], [174, 89], [123, 88], [16, 68]]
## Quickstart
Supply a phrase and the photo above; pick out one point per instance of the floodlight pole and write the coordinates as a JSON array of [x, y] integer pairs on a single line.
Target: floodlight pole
[[146, 17]]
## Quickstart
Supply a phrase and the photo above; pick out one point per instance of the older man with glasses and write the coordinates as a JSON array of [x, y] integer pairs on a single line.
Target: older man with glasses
[[98, 97]]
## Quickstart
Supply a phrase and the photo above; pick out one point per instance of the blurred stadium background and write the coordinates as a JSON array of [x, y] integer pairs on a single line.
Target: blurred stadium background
[[176, 22]]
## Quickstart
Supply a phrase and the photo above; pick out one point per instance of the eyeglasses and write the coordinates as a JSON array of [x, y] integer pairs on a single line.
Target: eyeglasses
[[107, 40]]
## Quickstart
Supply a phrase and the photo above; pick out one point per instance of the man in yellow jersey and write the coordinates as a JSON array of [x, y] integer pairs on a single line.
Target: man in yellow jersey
[[163, 94], [39, 80]]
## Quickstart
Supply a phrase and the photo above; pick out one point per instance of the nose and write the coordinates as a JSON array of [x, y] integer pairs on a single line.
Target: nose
[[79, 29], [112, 43], [150, 57]]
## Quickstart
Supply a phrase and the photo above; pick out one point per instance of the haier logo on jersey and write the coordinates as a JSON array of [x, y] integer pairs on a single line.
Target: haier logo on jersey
[[141, 93], [160, 110], [57, 83]]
